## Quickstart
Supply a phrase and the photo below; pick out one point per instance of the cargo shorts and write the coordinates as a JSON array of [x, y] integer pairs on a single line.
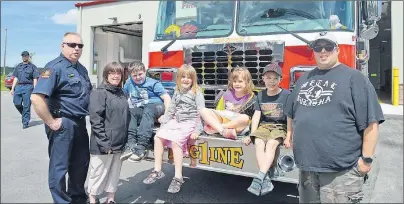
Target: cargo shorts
[[331, 187], [268, 131]]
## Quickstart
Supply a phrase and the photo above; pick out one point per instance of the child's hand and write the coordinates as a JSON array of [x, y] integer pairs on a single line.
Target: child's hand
[[194, 136], [287, 143], [246, 140], [160, 119]]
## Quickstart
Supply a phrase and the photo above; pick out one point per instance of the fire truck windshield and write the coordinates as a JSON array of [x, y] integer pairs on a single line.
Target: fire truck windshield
[[194, 19], [257, 17]]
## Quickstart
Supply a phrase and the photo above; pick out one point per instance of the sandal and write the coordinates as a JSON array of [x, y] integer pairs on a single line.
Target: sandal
[[175, 185], [153, 177], [229, 134], [255, 187], [209, 130]]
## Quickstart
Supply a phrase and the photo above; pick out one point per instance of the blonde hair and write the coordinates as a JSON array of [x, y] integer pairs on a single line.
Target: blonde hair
[[242, 73], [187, 70]]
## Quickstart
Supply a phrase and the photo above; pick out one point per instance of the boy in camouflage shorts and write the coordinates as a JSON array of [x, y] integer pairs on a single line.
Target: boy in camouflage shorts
[[271, 132]]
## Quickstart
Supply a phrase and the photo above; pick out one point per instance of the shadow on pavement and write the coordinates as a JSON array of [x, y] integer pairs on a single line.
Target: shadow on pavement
[[35, 123], [199, 187]]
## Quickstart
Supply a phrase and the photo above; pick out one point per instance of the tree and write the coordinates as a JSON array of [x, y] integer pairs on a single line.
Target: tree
[[30, 56]]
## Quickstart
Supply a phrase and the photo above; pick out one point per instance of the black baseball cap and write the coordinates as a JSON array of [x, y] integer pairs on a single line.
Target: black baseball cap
[[25, 53], [272, 67]]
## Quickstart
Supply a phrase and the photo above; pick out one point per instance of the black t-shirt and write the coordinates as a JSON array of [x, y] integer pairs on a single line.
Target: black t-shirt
[[272, 107], [330, 110]]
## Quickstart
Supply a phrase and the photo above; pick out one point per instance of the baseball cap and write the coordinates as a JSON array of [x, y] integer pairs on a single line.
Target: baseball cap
[[272, 67], [25, 53], [325, 36]]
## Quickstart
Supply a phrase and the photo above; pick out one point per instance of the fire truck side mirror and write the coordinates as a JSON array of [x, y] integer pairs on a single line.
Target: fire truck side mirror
[[372, 11], [369, 32]]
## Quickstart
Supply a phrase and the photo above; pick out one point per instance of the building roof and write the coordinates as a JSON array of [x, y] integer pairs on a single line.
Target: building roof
[[92, 3]]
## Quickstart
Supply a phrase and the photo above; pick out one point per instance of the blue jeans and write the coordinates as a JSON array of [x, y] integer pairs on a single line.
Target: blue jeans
[[22, 101], [68, 153], [141, 125]]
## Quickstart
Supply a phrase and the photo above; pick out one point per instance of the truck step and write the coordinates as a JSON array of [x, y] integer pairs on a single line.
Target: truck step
[[218, 154]]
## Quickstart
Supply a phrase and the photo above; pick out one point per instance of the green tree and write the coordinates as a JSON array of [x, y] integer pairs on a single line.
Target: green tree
[[30, 56]]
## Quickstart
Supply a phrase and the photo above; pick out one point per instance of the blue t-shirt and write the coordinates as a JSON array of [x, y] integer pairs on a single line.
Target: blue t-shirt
[[149, 92]]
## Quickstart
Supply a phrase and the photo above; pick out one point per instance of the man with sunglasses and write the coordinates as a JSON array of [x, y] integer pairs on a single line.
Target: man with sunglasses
[[335, 115], [26, 76], [61, 99]]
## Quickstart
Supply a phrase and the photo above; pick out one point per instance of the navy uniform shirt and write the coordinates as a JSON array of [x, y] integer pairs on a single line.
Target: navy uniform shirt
[[26, 73], [66, 86]]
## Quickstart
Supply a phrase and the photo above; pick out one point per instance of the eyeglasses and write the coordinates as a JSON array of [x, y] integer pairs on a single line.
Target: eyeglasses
[[115, 73], [327, 48], [73, 45]]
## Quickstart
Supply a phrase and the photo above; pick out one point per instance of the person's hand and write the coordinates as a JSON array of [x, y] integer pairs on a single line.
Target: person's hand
[[160, 119], [287, 143], [12, 92], [194, 136], [56, 124], [247, 140], [363, 167]]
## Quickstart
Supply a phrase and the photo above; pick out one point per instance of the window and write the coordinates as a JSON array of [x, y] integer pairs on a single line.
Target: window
[[264, 17], [194, 19], [95, 67]]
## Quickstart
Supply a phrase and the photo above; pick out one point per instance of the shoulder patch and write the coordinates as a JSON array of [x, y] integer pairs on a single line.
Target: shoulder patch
[[46, 73]]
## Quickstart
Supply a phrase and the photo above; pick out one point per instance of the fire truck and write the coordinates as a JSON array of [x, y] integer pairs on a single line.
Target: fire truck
[[216, 36]]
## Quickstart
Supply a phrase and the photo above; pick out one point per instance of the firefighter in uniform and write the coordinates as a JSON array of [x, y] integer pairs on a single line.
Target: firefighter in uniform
[[61, 100], [26, 76]]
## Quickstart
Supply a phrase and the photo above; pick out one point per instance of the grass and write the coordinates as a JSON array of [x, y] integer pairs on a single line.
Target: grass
[[2, 87]]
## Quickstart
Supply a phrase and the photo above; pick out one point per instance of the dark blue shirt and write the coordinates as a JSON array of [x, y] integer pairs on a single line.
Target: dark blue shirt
[[66, 86], [330, 111], [26, 73]]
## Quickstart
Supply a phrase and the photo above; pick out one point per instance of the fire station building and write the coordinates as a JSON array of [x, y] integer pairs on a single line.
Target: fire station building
[[122, 31]]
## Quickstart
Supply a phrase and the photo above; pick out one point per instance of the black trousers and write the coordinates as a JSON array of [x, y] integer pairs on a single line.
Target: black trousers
[[68, 153]]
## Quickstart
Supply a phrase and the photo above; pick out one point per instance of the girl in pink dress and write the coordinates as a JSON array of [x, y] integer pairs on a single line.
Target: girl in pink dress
[[181, 120]]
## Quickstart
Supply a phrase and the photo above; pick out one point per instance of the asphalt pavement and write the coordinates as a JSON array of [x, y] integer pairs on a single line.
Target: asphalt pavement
[[24, 167]]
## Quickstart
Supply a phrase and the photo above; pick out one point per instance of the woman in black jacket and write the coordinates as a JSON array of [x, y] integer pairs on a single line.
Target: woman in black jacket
[[108, 110]]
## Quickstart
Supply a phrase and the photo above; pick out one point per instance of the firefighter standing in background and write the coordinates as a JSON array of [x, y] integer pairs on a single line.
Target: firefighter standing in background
[[26, 75]]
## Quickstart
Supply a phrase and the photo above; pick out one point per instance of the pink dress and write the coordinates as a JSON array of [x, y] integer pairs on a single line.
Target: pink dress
[[182, 119]]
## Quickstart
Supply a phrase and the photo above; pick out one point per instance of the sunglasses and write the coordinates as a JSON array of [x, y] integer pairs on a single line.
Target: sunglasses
[[327, 48], [73, 45]]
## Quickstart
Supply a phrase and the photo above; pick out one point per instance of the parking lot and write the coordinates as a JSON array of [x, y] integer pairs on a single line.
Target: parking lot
[[24, 164]]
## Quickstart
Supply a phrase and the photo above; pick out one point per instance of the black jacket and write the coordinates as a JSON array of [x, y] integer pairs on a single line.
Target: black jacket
[[109, 119]]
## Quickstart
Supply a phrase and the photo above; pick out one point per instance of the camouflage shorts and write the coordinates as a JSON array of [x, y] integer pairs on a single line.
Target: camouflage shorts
[[269, 132], [336, 187]]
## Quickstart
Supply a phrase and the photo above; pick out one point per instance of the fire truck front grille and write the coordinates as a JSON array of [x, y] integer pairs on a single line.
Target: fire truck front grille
[[213, 62]]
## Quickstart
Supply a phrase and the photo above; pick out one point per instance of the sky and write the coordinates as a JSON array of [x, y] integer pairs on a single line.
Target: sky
[[37, 27]]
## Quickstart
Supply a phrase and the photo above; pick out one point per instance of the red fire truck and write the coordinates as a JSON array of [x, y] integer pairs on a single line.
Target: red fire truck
[[215, 36]]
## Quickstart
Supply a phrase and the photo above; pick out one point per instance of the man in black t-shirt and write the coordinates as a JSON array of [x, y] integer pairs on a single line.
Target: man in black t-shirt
[[268, 127], [335, 116]]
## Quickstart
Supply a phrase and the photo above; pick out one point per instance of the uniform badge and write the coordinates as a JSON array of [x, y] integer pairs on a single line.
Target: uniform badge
[[70, 75], [46, 73]]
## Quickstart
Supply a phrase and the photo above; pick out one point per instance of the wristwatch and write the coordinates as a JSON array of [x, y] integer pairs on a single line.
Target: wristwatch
[[367, 160]]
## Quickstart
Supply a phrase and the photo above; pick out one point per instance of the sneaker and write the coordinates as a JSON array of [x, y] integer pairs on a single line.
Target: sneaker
[[137, 156], [267, 186], [255, 187], [175, 185], [273, 172], [126, 154], [153, 177], [25, 126]]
